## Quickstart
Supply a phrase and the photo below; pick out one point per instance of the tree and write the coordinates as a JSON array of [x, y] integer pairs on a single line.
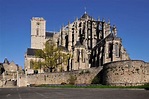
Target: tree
[[51, 56], [36, 64]]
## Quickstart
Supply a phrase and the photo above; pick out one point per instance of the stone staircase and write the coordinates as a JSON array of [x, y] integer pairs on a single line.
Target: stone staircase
[[10, 84]]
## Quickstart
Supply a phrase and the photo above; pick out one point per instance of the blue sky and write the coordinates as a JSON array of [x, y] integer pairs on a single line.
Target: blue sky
[[130, 16]]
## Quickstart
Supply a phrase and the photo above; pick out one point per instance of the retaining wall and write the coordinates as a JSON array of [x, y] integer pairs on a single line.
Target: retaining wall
[[126, 73], [81, 76]]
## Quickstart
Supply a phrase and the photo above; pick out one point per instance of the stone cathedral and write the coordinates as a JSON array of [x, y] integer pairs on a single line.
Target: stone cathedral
[[91, 42]]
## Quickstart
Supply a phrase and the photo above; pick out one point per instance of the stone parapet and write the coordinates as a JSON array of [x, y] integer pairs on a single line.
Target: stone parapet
[[126, 73]]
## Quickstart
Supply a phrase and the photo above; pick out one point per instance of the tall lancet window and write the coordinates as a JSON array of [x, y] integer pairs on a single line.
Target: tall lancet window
[[117, 53], [78, 55], [37, 31], [100, 27], [82, 55], [110, 49]]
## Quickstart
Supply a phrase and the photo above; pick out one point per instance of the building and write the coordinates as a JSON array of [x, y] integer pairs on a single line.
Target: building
[[8, 73], [1, 68], [91, 42]]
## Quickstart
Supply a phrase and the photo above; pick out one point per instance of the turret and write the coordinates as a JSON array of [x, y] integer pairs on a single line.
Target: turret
[[69, 36]]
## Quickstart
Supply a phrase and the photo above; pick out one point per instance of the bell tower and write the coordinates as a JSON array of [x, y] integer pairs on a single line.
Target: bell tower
[[38, 32]]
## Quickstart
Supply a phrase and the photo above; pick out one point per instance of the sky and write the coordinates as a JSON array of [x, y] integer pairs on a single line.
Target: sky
[[131, 18]]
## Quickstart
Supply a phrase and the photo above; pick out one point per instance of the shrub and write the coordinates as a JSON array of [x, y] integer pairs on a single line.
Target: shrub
[[87, 71], [63, 83], [72, 79]]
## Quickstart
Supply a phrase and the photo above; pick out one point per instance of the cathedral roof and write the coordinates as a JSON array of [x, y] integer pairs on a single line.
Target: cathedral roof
[[85, 16], [31, 51], [6, 61], [49, 34]]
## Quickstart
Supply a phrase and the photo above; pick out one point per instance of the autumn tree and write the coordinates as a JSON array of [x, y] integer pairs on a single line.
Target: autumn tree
[[51, 56]]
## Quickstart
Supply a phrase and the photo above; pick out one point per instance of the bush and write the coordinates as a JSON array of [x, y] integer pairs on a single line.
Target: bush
[[146, 86], [82, 72], [87, 71], [63, 83], [96, 80], [72, 79]]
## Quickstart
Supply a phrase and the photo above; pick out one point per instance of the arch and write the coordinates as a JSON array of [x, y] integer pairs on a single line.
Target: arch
[[78, 55], [110, 49], [117, 51], [82, 55]]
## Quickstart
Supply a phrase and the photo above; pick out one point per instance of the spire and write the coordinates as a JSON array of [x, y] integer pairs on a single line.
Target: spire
[[6, 61], [114, 30], [98, 19], [108, 21], [103, 20], [85, 10]]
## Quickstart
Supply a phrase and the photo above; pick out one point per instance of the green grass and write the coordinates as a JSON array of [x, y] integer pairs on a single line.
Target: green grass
[[146, 86]]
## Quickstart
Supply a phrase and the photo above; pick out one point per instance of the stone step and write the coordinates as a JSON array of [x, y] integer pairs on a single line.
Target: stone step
[[10, 84]]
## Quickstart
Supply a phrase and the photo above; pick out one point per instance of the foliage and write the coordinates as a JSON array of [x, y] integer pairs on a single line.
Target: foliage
[[87, 71], [51, 56], [98, 78], [146, 86], [84, 72], [72, 80], [36, 64]]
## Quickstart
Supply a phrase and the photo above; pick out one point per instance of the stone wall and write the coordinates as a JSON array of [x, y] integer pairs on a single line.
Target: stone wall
[[120, 73], [81, 76], [126, 73]]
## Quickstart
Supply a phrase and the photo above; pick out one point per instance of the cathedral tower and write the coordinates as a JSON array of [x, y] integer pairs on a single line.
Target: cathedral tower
[[38, 32]]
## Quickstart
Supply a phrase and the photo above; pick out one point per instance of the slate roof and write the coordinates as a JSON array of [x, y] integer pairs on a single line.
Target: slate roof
[[49, 34], [6, 61], [31, 51], [85, 15]]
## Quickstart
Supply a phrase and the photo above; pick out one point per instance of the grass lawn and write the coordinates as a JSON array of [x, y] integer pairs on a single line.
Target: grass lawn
[[146, 86]]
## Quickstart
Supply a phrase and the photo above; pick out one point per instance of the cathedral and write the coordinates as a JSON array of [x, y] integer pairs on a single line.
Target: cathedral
[[91, 42]]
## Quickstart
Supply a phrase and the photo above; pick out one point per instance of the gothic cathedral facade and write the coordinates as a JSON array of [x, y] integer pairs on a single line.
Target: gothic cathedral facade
[[91, 42]]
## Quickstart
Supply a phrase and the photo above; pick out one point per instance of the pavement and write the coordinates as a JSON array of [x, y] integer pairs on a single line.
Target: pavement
[[76, 93]]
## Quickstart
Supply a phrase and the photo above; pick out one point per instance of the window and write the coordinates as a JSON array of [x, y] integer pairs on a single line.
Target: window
[[38, 23], [80, 24], [78, 55], [82, 55], [37, 31], [100, 27], [117, 50], [110, 49]]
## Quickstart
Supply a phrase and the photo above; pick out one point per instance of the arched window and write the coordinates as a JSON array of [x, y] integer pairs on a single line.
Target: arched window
[[100, 27], [80, 24], [110, 49], [117, 53], [80, 31], [31, 63], [78, 55], [82, 55], [37, 31]]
